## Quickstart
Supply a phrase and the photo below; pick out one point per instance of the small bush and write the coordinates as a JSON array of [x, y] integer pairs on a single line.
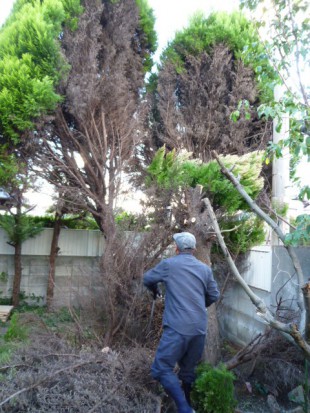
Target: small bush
[[213, 391]]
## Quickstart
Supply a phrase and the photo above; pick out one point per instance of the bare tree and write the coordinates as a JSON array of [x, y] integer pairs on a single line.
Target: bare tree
[[95, 130], [86, 147]]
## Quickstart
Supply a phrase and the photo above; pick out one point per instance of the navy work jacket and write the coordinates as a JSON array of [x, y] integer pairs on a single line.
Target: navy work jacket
[[190, 288]]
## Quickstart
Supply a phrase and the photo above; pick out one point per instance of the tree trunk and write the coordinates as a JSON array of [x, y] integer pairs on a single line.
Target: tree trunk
[[306, 293], [52, 261], [212, 350], [17, 256], [17, 274]]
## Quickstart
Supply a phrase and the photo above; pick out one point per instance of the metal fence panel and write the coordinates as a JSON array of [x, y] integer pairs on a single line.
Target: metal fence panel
[[72, 242]]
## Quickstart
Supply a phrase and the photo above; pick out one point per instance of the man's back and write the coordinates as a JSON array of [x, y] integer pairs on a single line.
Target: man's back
[[188, 283]]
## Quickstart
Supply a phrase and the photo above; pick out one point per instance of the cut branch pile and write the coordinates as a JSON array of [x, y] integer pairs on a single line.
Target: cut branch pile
[[50, 376]]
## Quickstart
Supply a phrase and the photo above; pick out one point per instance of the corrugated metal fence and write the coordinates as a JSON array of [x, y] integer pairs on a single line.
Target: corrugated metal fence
[[72, 243]]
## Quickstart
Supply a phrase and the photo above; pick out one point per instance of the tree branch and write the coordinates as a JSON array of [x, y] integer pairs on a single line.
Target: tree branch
[[291, 332], [252, 204]]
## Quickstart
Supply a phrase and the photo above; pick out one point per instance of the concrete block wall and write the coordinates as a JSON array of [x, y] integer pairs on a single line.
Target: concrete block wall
[[71, 273], [78, 258], [270, 274], [239, 322]]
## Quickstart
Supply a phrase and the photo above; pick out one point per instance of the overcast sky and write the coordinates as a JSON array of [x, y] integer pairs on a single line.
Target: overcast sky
[[171, 15]]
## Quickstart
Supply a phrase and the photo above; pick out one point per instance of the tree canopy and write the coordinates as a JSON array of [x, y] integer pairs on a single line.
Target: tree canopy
[[31, 63], [203, 79], [233, 30]]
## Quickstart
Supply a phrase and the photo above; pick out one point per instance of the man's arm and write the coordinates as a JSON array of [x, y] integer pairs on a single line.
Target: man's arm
[[212, 293], [155, 275]]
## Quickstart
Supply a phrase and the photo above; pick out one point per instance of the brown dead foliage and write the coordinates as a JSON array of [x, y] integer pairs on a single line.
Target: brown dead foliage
[[193, 108], [50, 375]]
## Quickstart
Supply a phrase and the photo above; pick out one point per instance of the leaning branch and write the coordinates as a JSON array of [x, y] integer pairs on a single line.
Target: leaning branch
[[290, 330], [252, 204]]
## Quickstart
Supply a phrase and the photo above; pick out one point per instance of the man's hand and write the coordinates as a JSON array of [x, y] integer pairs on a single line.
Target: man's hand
[[156, 293]]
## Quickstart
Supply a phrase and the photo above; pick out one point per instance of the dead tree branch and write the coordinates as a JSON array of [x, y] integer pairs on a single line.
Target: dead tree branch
[[290, 330], [252, 204]]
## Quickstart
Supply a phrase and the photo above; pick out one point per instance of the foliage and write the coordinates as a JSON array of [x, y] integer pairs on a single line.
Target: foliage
[[31, 64], [19, 228], [3, 277], [288, 31], [52, 319], [147, 22], [298, 140], [204, 83], [8, 168], [5, 300], [235, 31], [213, 390], [124, 220], [280, 208], [5, 352], [70, 221], [286, 25], [172, 170], [242, 234], [301, 235], [16, 331]]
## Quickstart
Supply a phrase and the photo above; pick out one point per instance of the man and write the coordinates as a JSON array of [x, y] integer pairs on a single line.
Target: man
[[189, 289]]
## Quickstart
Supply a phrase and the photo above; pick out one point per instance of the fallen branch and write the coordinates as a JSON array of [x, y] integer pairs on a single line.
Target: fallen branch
[[246, 354], [290, 331], [252, 204], [15, 366]]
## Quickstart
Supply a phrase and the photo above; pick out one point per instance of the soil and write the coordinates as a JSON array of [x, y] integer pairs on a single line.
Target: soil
[[254, 402]]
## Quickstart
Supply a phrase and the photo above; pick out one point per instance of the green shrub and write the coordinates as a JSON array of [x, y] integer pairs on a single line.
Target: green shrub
[[243, 233], [213, 390], [16, 332]]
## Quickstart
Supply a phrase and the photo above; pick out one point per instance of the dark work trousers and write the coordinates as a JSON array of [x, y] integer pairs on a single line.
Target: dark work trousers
[[177, 348]]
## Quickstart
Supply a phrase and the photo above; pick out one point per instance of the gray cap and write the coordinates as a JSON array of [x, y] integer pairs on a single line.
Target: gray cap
[[185, 240]]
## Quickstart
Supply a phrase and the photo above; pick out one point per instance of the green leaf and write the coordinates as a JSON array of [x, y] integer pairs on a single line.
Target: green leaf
[[234, 116]]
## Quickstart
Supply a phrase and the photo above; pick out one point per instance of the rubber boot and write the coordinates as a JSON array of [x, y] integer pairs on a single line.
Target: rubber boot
[[177, 394], [187, 388]]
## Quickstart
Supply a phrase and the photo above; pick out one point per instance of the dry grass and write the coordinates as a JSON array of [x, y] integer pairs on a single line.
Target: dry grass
[[51, 375]]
